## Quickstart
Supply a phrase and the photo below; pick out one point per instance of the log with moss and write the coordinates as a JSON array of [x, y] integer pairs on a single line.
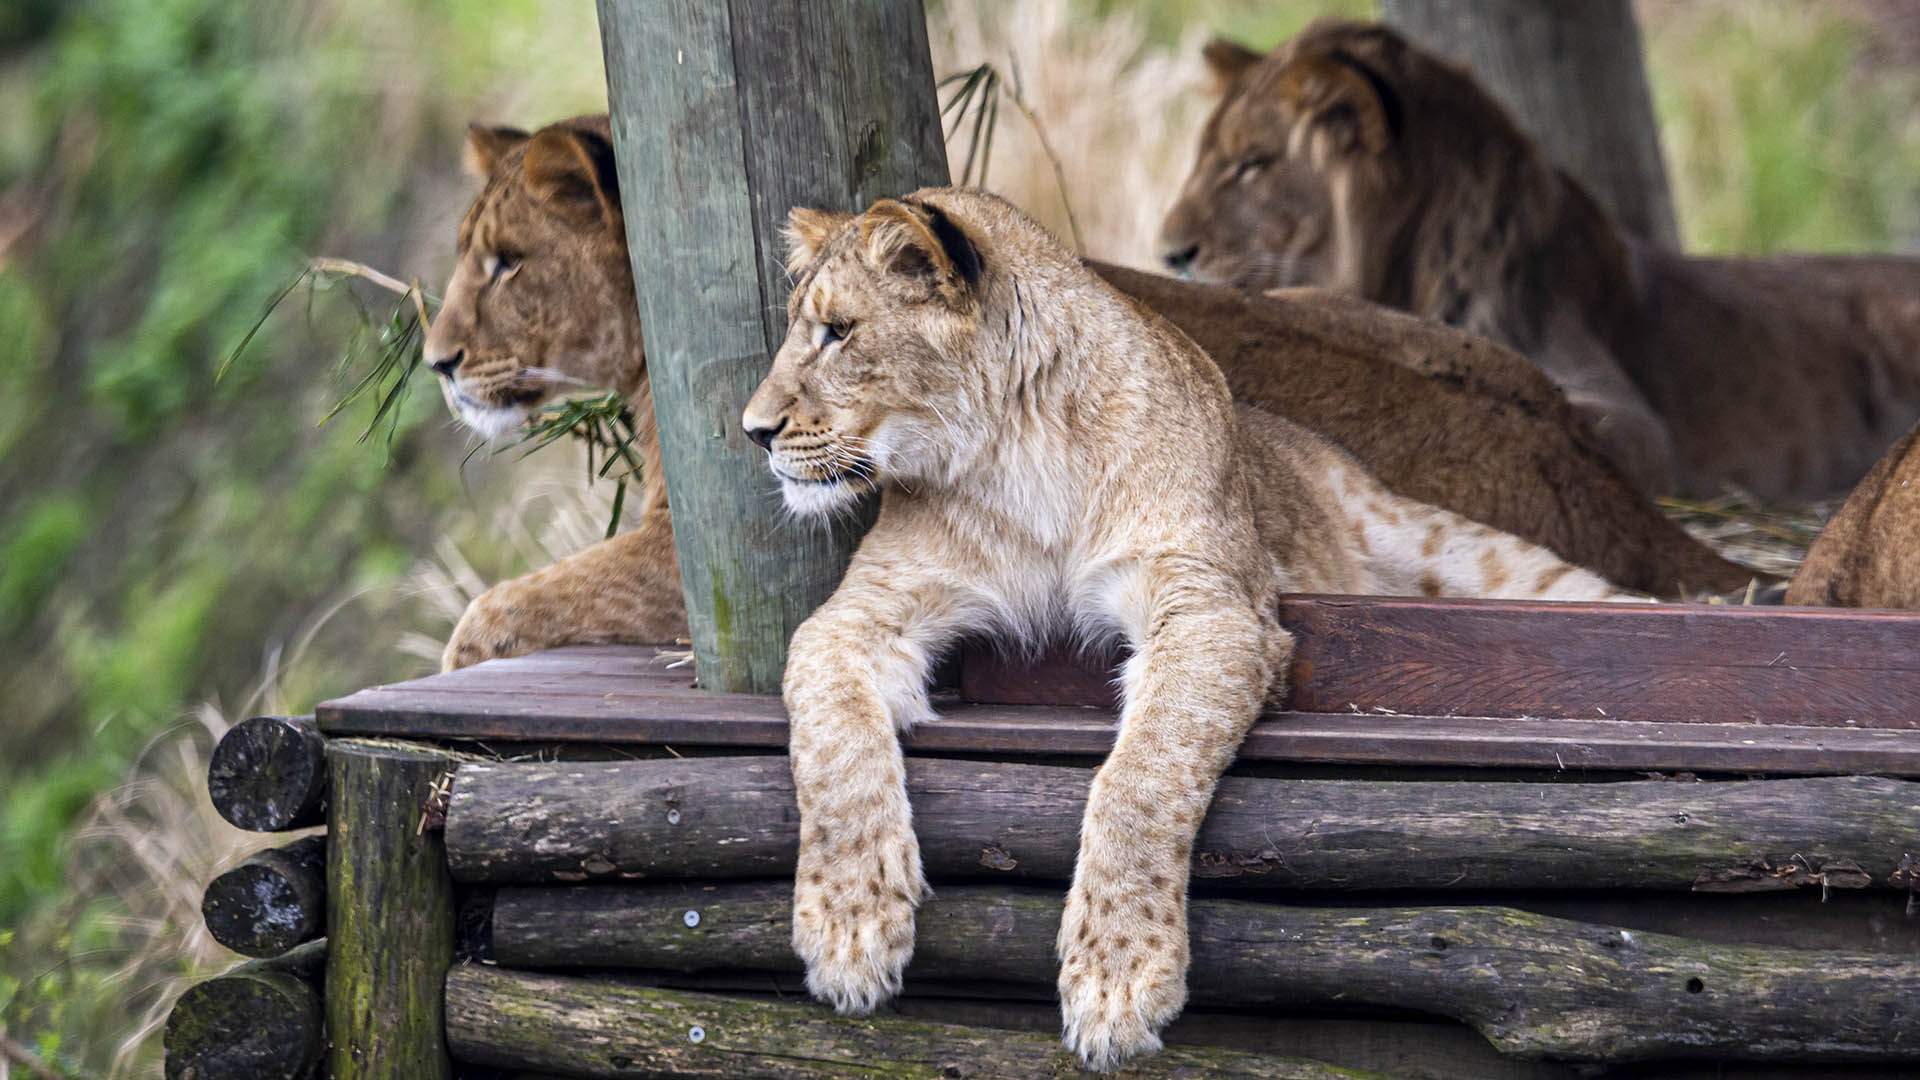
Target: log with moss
[[390, 913], [1533, 985], [275, 899], [260, 1021], [269, 774], [606, 1028], [735, 817]]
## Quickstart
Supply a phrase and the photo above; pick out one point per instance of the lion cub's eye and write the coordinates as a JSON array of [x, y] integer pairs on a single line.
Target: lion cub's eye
[[826, 333], [1248, 167], [500, 264]]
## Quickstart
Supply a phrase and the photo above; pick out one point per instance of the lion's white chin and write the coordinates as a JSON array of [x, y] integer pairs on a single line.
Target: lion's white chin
[[491, 422], [808, 499]]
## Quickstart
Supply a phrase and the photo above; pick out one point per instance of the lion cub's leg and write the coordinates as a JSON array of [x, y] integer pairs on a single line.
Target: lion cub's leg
[[856, 672], [623, 590], [1201, 668], [1413, 548]]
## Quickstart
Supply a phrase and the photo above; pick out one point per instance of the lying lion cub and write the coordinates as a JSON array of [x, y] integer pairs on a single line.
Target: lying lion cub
[[1052, 455]]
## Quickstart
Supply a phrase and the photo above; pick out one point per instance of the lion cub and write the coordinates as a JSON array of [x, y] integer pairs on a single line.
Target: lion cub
[[1052, 456]]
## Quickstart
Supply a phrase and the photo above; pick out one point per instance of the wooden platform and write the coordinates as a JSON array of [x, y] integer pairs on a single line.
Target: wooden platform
[[1375, 681]]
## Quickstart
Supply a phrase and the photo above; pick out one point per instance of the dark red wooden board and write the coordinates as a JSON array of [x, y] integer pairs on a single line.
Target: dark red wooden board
[[1379, 682], [1679, 663]]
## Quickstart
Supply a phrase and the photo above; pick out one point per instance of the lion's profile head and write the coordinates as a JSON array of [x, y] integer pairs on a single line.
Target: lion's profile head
[[885, 371], [1348, 159], [541, 301]]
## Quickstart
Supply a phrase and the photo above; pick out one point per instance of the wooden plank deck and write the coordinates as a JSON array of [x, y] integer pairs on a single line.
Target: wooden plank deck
[[1376, 681]]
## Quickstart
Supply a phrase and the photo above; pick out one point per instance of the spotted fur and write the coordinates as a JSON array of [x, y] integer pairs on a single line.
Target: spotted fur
[[1052, 458]]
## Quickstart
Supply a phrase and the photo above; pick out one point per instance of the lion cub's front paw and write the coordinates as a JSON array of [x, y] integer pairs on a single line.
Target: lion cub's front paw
[[511, 619], [1122, 974], [853, 920]]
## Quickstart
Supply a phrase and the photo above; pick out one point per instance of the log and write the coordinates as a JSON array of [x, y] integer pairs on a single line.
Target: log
[[390, 924], [269, 774], [725, 116], [272, 901], [1534, 986], [604, 1028], [260, 1021], [735, 817]]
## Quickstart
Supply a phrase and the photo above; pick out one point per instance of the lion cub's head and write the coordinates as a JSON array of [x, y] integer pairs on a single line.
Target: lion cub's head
[[541, 301], [1324, 156], [880, 375]]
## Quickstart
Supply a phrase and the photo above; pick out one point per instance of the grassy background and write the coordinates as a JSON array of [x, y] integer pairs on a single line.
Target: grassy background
[[166, 541]]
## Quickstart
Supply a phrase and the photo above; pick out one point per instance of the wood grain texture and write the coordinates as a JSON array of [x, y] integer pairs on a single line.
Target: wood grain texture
[[389, 915], [606, 1028], [724, 117], [1548, 64], [721, 818], [1534, 986], [272, 901], [260, 1021], [615, 695], [1669, 663], [269, 774]]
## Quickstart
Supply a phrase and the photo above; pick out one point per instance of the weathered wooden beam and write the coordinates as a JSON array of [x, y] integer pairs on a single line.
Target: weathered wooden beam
[[260, 1021], [604, 1028], [269, 774], [1535, 986], [725, 116], [1549, 63], [736, 818], [272, 901], [389, 914]]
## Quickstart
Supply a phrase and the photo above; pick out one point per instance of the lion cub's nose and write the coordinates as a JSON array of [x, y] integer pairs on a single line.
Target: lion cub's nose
[[764, 435], [447, 365], [1179, 259]]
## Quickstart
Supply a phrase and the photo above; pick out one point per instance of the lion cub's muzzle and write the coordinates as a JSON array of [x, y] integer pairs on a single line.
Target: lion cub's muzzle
[[817, 473]]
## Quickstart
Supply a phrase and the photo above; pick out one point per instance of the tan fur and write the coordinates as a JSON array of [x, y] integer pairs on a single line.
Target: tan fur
[[1869, 555], [1348, 158], [548, 321], [1435, 414], [1052, 456]]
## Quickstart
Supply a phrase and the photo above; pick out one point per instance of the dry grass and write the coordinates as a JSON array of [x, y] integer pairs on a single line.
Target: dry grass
[[1770, 539], [1120, 113]]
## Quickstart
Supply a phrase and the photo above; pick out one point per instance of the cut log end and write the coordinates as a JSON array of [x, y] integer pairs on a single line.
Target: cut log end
[[269, 774], [249, 1025], [272, 902]]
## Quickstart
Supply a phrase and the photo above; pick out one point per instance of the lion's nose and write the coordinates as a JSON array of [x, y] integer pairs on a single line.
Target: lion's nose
[[1179, 260], [765, 435], [447, 365]]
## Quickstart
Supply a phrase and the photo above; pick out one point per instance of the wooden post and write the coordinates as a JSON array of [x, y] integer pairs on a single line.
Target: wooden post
[[1572, 74], [269, 774], [725, 116], [389, 915], [271, 902]]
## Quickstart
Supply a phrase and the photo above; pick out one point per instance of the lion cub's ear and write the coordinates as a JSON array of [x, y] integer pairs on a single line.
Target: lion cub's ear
[[1226, 60], [919, 240], [573, 171], [1342, 104], [486, 145], [807, 232]]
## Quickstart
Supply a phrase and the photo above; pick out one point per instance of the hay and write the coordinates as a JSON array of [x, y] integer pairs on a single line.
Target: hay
[[1771, 540]]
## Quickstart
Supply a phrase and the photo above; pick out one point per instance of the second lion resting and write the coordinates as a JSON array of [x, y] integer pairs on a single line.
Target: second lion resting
[[1052, 456]]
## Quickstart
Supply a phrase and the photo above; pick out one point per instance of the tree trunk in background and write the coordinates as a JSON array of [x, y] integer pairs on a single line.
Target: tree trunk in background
[[1571, 72], [725, 116]]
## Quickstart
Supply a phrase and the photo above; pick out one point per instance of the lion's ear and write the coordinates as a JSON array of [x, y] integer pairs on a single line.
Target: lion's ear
[[572, 170], [486, 145], [807, 232], [1226, 60], [918, 239], [1344, 105]]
